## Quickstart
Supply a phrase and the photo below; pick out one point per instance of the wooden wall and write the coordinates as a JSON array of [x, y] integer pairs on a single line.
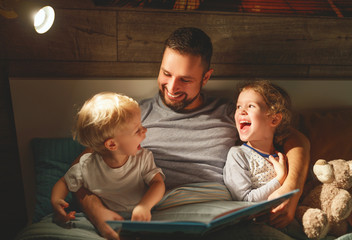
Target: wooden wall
[[87, 41], [104, 42]]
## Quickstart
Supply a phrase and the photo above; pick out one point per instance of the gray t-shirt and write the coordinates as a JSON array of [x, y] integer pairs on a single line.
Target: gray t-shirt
[[189, 147]]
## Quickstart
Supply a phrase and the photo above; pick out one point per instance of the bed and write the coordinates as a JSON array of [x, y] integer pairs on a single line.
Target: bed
[[330, 133]]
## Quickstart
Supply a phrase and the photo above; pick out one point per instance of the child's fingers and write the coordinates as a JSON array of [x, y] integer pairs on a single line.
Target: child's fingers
[[71, 216], [63, 203], [282, 158], [61, 211], [272, 160]]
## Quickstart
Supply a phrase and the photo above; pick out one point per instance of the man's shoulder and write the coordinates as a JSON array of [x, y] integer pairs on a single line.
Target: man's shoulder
[[147, 101], [219, 105], [148, 104]]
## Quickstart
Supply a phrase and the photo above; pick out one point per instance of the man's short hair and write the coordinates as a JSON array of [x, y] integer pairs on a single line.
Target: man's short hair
[[189, 40]]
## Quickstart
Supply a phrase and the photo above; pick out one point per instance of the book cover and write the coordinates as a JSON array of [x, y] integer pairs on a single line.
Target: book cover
[[224, 219]]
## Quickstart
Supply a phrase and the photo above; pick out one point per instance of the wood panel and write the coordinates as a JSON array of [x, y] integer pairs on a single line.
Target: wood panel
[[240, 38], [62, 69], [50, 69], [110, 42], [84, 35]]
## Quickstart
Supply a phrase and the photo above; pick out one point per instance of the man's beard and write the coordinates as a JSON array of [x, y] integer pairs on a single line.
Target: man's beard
[[178, 106]]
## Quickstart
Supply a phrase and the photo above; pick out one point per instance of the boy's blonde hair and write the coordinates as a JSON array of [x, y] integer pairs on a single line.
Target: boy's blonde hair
[[99, 118], [277, 100]]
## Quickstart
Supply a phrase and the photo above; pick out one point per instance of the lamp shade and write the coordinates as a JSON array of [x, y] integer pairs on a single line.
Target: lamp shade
[[34, 13], [44, 19]]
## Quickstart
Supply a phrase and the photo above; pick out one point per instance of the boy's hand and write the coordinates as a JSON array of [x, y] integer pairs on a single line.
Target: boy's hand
[[59, 211], [141, 213]]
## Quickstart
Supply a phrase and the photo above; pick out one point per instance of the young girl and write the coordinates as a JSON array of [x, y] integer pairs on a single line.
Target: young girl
[[256, 169], [119, 171]]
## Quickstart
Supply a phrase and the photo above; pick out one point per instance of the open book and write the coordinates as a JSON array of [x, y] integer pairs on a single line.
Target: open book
[[229, 217]]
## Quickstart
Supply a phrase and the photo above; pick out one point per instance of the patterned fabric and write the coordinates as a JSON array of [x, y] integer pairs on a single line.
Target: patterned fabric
[[194, 193], [262, 170], [186, 4]]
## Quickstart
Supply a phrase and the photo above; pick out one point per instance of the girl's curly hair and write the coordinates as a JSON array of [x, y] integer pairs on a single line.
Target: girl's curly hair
[[277, 100]]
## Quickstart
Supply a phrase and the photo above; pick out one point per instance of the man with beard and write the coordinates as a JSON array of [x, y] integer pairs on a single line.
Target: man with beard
[[190, 134]]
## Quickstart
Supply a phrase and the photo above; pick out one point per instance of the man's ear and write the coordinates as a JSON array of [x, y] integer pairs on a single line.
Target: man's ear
[[111, 144], [276, 119], [207, 76]]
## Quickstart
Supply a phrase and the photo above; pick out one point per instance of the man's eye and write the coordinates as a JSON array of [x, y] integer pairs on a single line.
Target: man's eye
[[166, 74]]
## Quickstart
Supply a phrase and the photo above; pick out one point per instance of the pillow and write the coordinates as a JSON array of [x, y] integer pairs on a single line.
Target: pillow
[[329, 132], [52, 158]]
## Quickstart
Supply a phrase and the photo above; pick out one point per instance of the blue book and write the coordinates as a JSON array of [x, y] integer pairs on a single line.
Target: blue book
[[250, 212]]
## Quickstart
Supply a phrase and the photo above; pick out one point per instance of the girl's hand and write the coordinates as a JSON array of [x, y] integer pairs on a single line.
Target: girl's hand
[[280, 166]]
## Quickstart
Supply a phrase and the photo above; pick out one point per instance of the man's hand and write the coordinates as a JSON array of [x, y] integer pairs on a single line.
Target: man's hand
[[283, 214], [97, 213], [100, 223]]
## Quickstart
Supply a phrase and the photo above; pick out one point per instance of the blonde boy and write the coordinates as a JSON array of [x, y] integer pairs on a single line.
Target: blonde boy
[[119, 171]]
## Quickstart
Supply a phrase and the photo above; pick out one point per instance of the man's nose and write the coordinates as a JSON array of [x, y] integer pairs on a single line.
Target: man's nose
[[173, 85]]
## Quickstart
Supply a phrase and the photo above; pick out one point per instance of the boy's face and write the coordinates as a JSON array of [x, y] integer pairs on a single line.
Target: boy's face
[[251, 117], [181, 77], [131, 135]]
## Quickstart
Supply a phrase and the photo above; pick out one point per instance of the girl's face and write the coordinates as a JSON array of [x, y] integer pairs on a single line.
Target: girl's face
[[131, 135], [251, 117]]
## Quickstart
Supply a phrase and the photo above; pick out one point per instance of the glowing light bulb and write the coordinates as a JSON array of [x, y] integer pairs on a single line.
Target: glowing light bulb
[[44, 19]]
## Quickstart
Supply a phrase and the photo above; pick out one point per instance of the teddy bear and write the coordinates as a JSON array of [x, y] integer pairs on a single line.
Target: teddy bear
[[326, 209]]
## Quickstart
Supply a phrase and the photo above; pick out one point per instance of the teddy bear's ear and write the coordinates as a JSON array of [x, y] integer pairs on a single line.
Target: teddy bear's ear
[[323, 171], [350, 164]]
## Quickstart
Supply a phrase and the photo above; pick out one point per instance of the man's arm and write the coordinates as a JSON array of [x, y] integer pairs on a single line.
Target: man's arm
[[93, 207], [297, 150]]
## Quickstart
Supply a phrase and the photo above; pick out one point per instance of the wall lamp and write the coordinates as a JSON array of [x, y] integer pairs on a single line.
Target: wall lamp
[[40, 16]]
